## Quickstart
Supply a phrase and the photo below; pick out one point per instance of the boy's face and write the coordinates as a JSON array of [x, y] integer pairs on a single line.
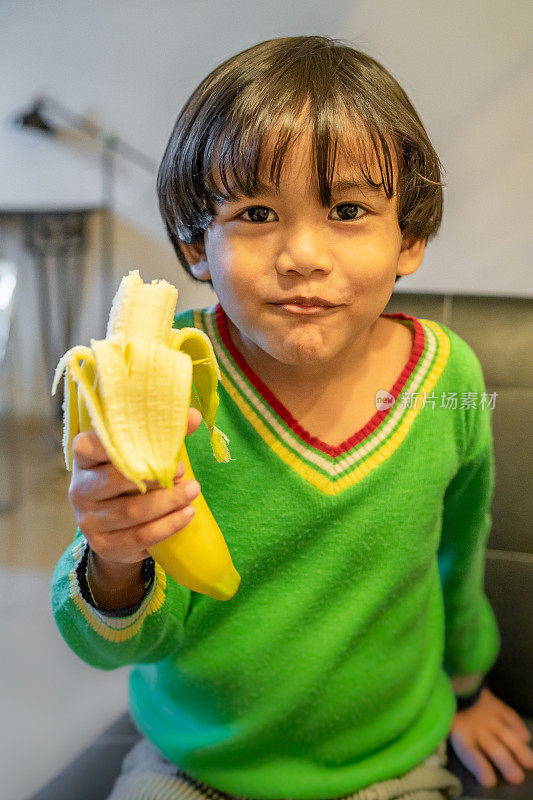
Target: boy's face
[[261, 251]]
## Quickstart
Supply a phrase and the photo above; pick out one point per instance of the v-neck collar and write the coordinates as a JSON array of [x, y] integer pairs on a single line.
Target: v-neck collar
[[283, 412], [330, 468]]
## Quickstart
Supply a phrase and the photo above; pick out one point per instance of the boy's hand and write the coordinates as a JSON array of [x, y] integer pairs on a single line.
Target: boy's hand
[[118, 521], [491, 731]]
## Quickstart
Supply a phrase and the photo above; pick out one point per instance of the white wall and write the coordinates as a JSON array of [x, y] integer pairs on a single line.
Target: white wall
[[130, 65]]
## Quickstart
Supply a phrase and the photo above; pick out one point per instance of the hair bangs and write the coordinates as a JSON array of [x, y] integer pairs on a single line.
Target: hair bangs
[[363, 145], [239, 153], [242, 168]]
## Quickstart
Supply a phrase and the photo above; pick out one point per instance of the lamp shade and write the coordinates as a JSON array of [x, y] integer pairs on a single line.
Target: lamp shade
[[33, 118]]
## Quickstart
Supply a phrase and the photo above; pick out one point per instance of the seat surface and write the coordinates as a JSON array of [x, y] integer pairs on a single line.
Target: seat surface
[[91, 776]]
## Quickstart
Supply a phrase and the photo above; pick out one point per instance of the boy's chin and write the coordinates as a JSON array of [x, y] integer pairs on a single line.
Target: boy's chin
[[302, 350]]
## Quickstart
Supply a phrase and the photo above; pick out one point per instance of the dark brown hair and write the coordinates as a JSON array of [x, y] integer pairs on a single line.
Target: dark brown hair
[[265, 88]]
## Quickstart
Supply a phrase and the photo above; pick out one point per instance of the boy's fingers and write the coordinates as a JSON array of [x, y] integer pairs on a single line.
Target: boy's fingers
[[515, 721], [123, 545], [503, 759], [127, 487], [119, 513], [480, 767], [104, 481], [101, 479], [522, 752]]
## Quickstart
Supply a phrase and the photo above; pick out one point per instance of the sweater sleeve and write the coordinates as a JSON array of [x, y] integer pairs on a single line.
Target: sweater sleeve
[[145, 633], [472, 640]]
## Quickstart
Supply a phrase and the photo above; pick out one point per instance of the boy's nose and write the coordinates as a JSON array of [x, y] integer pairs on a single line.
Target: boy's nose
[[303, 250]]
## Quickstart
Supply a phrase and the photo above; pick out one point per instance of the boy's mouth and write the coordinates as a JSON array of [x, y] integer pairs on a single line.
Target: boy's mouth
[[305, 301], [311, 305]]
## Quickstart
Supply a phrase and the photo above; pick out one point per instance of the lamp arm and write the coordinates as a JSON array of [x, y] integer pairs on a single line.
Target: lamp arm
[[110, 141]]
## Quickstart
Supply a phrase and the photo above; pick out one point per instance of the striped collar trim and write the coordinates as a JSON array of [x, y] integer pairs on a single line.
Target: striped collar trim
[[327, 467]]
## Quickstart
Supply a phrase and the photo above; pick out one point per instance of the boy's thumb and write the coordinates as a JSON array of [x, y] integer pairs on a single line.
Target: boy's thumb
[[88, 451], [194, 420]]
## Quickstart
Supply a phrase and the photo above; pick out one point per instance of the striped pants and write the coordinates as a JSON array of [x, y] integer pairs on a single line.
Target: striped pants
[[148, 775]]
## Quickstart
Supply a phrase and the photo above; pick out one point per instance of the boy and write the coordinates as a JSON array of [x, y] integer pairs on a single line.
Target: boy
[[301, 184]]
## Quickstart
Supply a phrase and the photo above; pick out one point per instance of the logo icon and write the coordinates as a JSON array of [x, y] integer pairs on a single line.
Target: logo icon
[[384, 399]]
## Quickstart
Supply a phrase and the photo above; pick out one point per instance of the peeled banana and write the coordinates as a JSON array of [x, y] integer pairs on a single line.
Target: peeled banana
[[134, 388]]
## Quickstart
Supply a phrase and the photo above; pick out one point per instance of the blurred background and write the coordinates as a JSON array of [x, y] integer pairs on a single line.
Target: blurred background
[[90, 92]]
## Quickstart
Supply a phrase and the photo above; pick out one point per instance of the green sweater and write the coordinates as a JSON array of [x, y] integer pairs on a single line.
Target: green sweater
[[362, 586]]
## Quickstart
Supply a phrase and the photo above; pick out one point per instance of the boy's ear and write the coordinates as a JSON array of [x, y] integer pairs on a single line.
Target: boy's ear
[[411, 255], [196, 258]]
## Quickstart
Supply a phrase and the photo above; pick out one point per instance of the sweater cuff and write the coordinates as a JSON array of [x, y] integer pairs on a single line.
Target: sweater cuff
[[468, 700], [147, 573]]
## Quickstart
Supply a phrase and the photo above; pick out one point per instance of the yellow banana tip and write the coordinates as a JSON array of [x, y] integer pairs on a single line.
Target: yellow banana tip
[[227, 588]]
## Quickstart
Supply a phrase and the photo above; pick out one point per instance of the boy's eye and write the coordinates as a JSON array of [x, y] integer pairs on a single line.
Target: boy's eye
[[348, 212], [257, 214]]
